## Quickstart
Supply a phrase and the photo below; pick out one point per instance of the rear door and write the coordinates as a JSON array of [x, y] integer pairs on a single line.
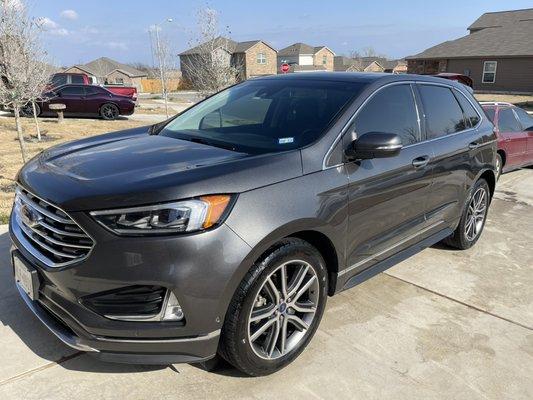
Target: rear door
[[526, 120], [454, 141], [514, 137], [92, 99], [387, 196]]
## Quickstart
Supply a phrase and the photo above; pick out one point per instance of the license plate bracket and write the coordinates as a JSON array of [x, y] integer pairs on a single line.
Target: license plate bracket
[[26, 277]]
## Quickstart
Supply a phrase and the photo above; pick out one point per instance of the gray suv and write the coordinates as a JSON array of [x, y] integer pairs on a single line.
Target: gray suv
[[224, 230]]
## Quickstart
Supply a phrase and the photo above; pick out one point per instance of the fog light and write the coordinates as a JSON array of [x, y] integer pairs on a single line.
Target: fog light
[[173, 311]]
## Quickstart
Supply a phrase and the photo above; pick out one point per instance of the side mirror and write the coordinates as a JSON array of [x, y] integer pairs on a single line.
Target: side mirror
[[374, 145], [211, 120]]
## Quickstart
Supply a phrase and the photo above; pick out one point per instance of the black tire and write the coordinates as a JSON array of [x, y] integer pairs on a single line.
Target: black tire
[[235, 344], [27, 110], [109, 112], [499, 166], [460, 238]]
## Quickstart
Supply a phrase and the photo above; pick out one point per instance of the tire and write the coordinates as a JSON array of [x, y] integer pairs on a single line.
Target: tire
[[27, 110], [499, 166], [109, 112], [469, 230], [242, 344]]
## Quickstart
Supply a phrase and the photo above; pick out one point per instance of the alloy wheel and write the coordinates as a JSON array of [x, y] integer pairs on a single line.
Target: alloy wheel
[[109, 111], [475, 217], [283, 310]]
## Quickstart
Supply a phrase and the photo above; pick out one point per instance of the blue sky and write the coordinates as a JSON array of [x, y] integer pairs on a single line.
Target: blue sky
[[79, 31]]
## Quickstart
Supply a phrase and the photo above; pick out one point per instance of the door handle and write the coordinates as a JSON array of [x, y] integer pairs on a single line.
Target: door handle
[[473, 145], [420, 162]]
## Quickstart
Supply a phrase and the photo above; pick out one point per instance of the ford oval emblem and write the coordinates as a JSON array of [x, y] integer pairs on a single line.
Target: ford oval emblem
[[29, 216]]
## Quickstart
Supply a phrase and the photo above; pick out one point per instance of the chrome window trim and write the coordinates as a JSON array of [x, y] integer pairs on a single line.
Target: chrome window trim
[[28, 246], [356, 112]]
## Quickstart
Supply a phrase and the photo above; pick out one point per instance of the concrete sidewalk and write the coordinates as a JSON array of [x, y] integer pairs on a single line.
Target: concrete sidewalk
[[444, 324]]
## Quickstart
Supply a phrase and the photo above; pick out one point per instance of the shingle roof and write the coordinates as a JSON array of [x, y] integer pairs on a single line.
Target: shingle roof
[[296, 49], [229, 45], [509, 40], [103, 66], [501, 18]]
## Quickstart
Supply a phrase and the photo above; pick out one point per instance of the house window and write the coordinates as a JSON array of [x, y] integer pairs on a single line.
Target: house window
[[489, 71], [119, 81], [261, 58], [324, 60]]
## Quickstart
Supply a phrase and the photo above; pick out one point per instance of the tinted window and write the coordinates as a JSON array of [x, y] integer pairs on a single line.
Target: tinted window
[[470, 114], [491, 113], [525, 119], [443, 114], [265, 115], [91, 90], [507, 121], [72, 91], [59, 80], [76, 79], [391, 110]]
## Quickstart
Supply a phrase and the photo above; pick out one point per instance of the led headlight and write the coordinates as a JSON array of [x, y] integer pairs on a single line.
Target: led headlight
[[181, 216]]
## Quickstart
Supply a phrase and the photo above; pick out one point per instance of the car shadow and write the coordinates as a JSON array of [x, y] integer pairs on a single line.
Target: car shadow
[[15, 315]]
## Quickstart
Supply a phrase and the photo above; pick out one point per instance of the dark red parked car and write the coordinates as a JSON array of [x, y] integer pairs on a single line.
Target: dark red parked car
[[452, 76], [514, 128], [84, 100]]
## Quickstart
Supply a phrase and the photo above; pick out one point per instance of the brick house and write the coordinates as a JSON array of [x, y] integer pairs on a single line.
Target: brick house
[[305, 58], [110, 71], [252, 58], [497, 53], [369, 64]]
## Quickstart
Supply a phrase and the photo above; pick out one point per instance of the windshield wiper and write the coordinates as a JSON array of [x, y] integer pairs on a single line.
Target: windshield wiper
[[209, 143]]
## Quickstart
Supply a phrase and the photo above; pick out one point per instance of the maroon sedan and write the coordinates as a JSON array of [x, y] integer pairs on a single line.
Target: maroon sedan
[[514, 128], [84, 100]]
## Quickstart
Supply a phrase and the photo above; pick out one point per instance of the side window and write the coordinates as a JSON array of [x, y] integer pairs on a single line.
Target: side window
[[525, 119], [443, 113], [72, 91], [490, 112], [91, 90], [391, 110], [507, 122], [471, 116]]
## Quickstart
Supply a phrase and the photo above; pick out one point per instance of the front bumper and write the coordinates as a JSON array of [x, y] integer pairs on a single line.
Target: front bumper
[[202, 270]]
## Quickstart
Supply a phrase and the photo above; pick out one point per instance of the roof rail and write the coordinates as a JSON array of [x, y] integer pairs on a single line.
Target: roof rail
[[496, 103]]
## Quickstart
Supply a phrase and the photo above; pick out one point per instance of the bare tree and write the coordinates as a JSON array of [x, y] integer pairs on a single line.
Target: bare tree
[[212, 65], [166, 60], [22, 60]]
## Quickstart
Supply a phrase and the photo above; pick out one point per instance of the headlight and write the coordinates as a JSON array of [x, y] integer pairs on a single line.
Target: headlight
[[181, 216]]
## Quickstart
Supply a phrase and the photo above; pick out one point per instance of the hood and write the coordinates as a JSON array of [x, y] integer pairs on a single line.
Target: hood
[[134, 168]]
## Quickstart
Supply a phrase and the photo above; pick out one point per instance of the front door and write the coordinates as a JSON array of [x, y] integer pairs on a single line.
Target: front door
[[387, 196], [70, 96]]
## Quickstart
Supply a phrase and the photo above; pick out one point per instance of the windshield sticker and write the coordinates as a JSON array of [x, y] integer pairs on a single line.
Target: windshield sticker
[[285, 140]]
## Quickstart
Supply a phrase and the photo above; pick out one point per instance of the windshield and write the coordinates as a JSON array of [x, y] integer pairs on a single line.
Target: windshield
[[265, 115]]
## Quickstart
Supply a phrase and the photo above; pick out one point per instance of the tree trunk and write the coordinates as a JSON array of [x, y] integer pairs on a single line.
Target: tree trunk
[[37, 129], [20, 134]]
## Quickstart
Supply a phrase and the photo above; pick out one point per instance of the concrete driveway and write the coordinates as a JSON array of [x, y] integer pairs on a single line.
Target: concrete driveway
[[444, 324]]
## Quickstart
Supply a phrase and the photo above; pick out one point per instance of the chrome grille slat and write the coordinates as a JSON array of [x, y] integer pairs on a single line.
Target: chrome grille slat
[[28, 232], [43, 210], [48, 232]]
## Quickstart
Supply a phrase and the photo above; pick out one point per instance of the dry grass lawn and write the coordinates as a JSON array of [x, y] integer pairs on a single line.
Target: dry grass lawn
[[70, 129]]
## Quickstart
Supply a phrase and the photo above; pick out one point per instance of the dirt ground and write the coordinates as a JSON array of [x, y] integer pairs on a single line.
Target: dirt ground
[[53, 133]]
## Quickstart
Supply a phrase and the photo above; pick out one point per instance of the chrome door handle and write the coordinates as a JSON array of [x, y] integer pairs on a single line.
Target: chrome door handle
[[473, 145], [420, 162]]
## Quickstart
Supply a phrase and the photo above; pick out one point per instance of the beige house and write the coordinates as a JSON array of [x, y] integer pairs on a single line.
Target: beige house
[[370, 64], [305, 58], [253, 58], [497, 54], [110, 71]]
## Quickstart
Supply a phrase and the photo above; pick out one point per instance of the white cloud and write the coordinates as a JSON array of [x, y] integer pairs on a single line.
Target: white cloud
[[117, 46], [90, 30], [69, 14], [59, 32], [47, 23]]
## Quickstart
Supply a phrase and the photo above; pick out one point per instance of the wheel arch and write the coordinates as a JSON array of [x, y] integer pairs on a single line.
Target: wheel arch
[[503, 155]]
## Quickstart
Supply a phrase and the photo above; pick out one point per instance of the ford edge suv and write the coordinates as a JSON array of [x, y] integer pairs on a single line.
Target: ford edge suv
[[224, 230]]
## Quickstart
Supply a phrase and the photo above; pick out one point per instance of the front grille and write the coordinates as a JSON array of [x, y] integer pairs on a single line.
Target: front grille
[[53, 237], [128, 303]]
